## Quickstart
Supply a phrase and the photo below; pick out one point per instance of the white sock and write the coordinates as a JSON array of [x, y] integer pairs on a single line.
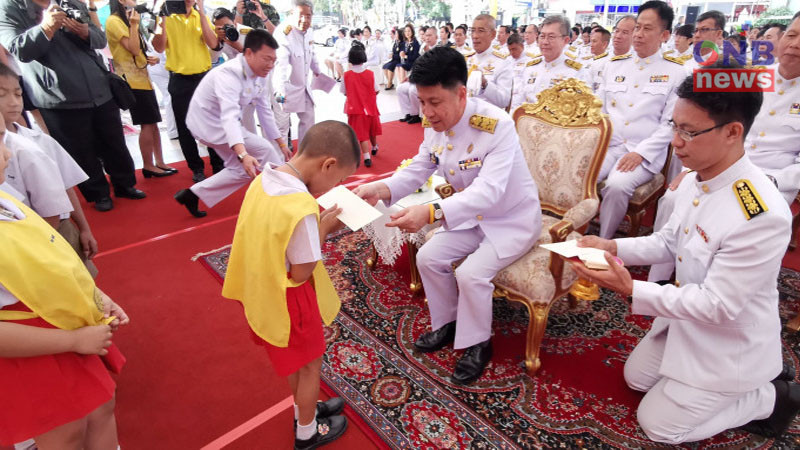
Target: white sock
[[367, 157], [375, 147], [296, 412], [306, 431]]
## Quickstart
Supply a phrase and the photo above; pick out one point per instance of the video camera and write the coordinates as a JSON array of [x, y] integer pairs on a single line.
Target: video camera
[[73, 12]]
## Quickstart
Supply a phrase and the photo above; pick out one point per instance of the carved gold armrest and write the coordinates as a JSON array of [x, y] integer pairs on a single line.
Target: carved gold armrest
[[558, 233], [445, 190]]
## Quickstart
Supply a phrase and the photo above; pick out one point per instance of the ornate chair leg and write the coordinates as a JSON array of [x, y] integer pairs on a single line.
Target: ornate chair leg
[[536, 326], [416, 281], [373, 257], [636, 222]]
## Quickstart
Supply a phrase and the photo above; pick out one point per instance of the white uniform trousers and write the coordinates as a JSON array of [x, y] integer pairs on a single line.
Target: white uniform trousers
[[217, 187], [617, 191], [673, 412], [663, 271], [249, 120], [407, 98], [466, 294], [283, 119], [161, 81]]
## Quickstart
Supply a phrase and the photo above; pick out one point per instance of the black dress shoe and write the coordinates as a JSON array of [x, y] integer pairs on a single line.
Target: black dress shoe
[[168, 169], [150, 173], [188, 199], [389, 88], [436, 340], [330, 407], [328, 430], [471, 365], [374, 151], [130, 192], [787, 405], [405, 119], [368, 163], [104, 204], [414, 119], [787, 374], [198, 176]]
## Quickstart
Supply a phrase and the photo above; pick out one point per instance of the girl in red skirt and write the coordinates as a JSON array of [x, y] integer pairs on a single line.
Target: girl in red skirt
[[275, 269], [54, 327], [361, 105]]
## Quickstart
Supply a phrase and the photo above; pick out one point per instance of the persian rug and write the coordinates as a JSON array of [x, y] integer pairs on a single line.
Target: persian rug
[[578, 399]]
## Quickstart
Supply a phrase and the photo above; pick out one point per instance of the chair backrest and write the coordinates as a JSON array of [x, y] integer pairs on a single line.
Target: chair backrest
[[564, 137]]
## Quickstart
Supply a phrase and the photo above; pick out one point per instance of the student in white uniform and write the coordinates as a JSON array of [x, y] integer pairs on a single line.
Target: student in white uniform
[[215, 120], [493, 218], [712, 360]]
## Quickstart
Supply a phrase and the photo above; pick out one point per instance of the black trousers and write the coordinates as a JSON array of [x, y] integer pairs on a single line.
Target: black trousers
[[181, 88], [94, 139]]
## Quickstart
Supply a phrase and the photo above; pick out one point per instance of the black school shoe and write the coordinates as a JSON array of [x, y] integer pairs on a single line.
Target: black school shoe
[[328, 408], [328, 430], [787, 405]]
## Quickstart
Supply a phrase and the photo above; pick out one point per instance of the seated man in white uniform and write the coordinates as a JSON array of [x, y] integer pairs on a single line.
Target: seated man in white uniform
[[621, 41], [493, 218], [531, 41], [712, 359], [215, 119], [407, 92], [460, 39], [638, 93]]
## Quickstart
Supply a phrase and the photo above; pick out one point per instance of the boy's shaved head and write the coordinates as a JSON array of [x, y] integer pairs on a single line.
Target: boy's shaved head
[[6, 71], [332, 138]]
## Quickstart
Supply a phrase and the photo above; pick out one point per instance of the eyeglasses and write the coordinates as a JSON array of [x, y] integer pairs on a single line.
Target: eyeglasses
[[689, 135], [704, 30], [550, 37]]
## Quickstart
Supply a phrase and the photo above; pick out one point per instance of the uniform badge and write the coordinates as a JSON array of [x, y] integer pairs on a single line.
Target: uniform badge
[[659, 79], [489, 68], [531, 80], [619, 78], [472, 163], [702, 233], [483, 123], [795, 108], [749, 200], [425, 122]]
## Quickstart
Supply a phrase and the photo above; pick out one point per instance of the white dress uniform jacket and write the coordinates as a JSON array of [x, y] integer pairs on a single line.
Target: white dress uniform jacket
[[464, 49], [296, 58], [532, 50], [596, 68], [773, 143], [495, 67], [543, 75], [518, 80], [493, 218]]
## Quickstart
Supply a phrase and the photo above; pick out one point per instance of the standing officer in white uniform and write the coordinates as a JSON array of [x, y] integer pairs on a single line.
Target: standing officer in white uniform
[[215, 119], [492, 79], [519, 62], [554, 66], [638, 93], [712, 359], [493, 218], [295, 60]]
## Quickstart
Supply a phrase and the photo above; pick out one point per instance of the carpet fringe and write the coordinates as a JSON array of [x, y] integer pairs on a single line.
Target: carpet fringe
[[200, 255]]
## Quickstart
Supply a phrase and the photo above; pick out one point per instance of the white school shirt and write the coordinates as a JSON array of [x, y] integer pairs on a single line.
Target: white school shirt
[[6, 298], [304, 246], [71, 173], [32, 173]]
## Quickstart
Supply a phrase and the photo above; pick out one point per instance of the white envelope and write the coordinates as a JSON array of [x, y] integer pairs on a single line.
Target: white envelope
[[356, 213], [593, 258], [322, 82]]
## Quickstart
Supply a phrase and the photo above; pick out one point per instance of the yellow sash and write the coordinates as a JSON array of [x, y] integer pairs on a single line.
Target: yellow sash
[[256, 273], [38, 267]]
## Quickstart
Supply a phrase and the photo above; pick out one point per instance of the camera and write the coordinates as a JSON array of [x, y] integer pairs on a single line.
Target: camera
[[231, 34], [171, 7], [250, 5], [73, 12]]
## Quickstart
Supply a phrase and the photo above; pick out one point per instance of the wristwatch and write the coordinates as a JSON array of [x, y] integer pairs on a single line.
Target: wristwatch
[[241, 156], [437, 212]]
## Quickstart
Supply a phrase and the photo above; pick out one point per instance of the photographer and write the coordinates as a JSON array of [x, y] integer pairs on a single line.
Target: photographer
[[227, 32], [255, 14], [68, 84], [186, 34], [127, 44]]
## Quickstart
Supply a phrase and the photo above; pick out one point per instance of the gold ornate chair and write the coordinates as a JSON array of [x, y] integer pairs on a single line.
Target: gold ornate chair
[[564, 137]]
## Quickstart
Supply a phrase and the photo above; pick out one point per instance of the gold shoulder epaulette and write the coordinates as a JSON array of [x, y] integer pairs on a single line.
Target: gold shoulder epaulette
[[587, 57], [287, 30], [602, 55], [500, 55], [673, 59], [685, 58], [570, 55], [483, 123], [621, 57], [532, 55], [668, 52], [574, 64], [533, 62], [749, 200], [496, 47], [467, 55], [425, 122], [572, 48]]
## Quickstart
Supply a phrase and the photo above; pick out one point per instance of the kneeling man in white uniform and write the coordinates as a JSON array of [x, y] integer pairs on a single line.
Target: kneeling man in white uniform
[[712, 359], [493, 218], [215, 119]]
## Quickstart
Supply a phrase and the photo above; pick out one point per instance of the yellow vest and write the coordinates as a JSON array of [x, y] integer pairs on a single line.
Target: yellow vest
[[42, 270], [256, 273]]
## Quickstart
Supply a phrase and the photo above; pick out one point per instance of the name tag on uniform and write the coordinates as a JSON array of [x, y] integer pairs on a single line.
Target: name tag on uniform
[[794, 109], [434, 158], [659, 79], [472, 163]]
